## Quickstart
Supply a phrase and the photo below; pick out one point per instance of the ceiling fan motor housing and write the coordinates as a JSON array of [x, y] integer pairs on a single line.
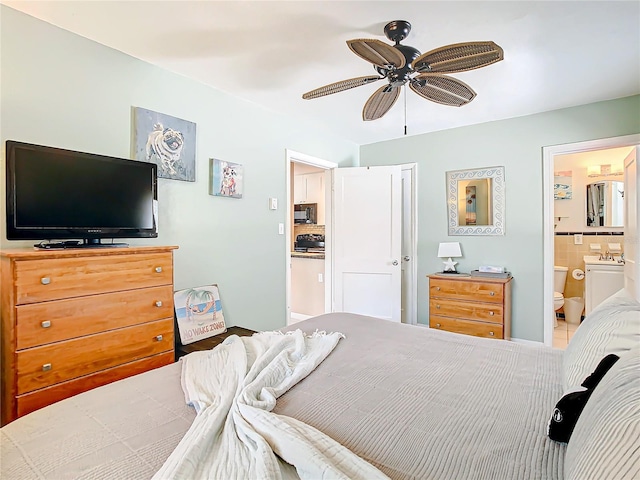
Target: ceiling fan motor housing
[[397, 30]]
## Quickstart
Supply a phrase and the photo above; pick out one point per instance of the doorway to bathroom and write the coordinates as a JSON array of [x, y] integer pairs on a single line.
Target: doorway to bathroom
[[570, 232]]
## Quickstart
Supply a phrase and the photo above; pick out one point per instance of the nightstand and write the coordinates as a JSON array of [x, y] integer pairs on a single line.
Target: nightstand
[[471, 305], [209, 343]]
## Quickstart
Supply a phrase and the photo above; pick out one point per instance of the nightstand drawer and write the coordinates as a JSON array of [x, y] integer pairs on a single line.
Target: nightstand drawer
[[466, 290], [479, 329], [486, 312], [57, 278]]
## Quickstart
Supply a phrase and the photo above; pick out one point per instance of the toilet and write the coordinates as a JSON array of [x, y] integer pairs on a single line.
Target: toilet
[[559, 280]]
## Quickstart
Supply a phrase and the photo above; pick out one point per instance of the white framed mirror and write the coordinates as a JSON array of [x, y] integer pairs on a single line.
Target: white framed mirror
[[476, 201]]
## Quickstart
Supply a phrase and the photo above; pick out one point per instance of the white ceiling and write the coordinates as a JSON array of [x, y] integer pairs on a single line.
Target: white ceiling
[[557, 54]]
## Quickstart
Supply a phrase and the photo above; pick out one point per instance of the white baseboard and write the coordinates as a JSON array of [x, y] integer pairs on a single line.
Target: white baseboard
[[527, 342], [298, 317]]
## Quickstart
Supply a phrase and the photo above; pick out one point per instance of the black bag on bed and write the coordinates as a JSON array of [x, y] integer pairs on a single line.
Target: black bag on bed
[[570, 406]]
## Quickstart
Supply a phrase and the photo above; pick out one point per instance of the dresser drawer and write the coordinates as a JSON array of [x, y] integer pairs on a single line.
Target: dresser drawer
[[481, 291], [486, 312], [36, 281], [47, 365], [479, 329], [48, 322], [31, 401]]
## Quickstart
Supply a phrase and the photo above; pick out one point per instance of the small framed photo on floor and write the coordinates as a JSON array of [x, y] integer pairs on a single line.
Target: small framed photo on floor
[[198, 313]]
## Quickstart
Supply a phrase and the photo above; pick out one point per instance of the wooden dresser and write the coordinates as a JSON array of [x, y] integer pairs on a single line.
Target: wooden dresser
[[471, 305], [76, 319]]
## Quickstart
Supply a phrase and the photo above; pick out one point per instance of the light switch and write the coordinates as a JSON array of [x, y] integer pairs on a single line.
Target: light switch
[[273, 203]]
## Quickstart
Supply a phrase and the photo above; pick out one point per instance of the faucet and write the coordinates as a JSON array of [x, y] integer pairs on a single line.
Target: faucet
[[621, 259], [606, 256]]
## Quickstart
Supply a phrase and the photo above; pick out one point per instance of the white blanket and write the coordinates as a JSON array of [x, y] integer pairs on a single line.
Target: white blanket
[[235, 435]]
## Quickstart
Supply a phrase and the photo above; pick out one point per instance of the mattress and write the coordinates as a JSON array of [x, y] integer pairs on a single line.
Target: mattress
[[414, 402]]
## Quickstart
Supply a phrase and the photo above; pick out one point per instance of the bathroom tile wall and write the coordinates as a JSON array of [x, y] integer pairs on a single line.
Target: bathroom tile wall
[[569, 255]]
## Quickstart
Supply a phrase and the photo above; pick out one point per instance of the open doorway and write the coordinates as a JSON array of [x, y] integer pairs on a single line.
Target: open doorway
[[305, 164], [569, 223], [308, 231]]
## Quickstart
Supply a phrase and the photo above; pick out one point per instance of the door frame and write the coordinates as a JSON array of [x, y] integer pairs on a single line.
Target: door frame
[[411, 310], [291, 156], [548, 158]]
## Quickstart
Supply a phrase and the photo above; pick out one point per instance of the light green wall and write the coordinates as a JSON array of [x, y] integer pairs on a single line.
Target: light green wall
[[517, 145], [63, 90]]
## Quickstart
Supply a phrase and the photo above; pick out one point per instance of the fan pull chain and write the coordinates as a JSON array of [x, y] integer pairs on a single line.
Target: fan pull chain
[[405, 109]]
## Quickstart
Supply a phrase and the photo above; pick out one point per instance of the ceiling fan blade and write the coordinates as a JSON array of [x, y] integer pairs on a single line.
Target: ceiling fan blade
[[459, 57], [377, 52], [380, 102], [339, 87], [442, 89]]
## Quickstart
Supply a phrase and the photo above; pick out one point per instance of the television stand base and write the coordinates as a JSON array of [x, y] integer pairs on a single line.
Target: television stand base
[[77, 244]]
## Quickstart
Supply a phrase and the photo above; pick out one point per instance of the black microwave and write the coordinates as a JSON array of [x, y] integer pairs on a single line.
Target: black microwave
[[305, 213]]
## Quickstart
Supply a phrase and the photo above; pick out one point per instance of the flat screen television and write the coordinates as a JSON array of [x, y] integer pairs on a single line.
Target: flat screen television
[[76, 198]]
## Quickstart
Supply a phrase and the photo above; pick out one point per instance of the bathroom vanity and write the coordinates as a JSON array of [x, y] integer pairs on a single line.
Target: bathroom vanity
[[603, 278]]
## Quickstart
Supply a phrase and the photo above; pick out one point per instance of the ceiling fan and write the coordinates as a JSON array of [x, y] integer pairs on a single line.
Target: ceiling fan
[[402, 64]]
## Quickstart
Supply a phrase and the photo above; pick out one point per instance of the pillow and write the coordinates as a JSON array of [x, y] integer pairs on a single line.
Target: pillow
[[568, 409], [611, 327], [606, 439]]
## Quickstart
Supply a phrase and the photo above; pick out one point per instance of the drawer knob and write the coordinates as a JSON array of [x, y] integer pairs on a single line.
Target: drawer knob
[[438, 288], [492, 293], [438, 325], [438, 306], [45, 280], [46, 367], [158, 269], [158, 303], [159, 338], [491, 314], [45, 324], [491, 334]]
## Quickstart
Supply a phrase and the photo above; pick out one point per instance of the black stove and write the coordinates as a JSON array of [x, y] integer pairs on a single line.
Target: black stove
[[309, 242]]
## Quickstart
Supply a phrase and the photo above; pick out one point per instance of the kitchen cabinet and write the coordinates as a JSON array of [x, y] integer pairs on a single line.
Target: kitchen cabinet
[[307, 286], [308, 188]]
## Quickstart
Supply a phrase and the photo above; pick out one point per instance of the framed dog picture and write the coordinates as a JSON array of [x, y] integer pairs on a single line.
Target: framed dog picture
[[225, 179], [167, 141], [198, 313]]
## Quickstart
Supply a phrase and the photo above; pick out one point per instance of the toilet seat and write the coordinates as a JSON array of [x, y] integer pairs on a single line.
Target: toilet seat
[[558, 300]]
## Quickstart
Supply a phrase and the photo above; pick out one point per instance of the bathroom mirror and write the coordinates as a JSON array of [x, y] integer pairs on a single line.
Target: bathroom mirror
[[605, 200], [475, 201]]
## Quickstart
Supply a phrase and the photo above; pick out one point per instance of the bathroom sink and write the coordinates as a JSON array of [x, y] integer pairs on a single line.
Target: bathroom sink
[[595, 260]]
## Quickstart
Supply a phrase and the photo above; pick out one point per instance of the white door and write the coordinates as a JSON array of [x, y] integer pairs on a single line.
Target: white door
[[631, 232], [367, 241]]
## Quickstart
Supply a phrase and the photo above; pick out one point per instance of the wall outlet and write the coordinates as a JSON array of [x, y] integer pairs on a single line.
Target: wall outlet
[[281, 229], [577, 239], [320, 278]]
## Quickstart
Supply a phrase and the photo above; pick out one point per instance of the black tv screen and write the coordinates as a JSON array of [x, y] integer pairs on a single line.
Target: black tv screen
[[60, 194]]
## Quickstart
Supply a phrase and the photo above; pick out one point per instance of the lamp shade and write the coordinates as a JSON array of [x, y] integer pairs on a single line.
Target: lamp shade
[[449, 249]]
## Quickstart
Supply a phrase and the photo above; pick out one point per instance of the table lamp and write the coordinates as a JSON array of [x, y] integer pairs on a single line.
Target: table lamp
[[449, 250]]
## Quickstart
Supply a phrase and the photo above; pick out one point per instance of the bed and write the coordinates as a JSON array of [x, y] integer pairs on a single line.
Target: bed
[[412, 402]]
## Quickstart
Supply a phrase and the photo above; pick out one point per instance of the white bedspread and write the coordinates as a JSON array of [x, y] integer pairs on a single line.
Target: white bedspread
[[236, 435]]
